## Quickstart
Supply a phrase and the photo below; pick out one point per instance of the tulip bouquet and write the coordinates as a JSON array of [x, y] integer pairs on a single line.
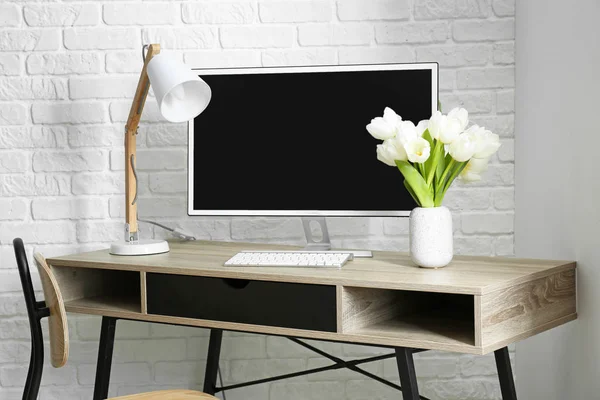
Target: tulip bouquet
[[433, 153]]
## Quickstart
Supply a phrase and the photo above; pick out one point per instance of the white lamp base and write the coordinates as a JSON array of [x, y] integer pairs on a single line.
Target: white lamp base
[[139, 248]]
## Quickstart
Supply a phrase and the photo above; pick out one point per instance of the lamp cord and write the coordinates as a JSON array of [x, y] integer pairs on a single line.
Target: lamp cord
[[132, 162], [157, 224], [144, 47], [172, 230]]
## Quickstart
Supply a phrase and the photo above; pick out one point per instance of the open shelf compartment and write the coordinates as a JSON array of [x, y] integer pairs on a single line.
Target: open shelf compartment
[[443, 318], [102, 289]]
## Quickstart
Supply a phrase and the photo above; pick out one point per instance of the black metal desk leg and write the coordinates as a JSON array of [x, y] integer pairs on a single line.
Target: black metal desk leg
[[212, 361], [105, 352], [507, 382], [408, 376]]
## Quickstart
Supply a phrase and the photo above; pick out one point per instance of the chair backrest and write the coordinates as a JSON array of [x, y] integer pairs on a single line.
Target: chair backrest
[[53, 307], [57, 321]]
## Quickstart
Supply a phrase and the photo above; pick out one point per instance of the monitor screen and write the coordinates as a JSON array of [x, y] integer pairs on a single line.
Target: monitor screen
[[293, 141]]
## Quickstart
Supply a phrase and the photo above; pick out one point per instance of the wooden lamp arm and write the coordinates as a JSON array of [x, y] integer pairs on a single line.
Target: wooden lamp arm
[[135, 113]]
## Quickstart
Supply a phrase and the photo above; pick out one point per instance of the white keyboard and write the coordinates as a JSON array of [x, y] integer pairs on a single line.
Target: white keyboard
[[316, 259]]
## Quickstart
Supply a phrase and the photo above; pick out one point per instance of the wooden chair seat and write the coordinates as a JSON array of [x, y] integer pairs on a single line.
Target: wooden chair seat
[[168, 395]]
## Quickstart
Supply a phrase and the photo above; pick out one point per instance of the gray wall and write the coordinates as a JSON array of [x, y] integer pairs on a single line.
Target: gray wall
[[557, 184]]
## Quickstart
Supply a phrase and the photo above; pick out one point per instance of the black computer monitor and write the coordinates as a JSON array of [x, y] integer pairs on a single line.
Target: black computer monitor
[[292, 141]]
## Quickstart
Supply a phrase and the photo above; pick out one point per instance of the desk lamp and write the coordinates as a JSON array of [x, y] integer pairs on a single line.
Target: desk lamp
[[181, 95]]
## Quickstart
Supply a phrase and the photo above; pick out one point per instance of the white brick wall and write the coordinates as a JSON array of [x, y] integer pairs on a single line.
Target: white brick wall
[[67, 74]]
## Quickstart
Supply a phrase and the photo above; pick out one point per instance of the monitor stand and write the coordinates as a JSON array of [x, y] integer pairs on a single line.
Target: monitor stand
[[313, 244]]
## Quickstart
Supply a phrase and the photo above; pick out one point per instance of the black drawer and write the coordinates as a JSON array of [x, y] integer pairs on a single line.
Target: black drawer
[[287, 305]]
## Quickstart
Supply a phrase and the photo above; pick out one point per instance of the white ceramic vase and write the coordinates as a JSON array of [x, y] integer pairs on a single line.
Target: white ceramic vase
[[431, 239]]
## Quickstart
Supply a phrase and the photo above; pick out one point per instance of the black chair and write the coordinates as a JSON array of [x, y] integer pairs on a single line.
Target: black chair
[[36, 310]]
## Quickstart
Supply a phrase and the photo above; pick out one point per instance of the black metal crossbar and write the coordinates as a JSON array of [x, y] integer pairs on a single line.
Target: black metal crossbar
[[338, 364], [305, 372], [351, 365]]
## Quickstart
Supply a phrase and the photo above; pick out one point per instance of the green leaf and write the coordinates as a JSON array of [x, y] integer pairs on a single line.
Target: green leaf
[[420, 167], [441, 166], [448, 158], [412, 193], [439, 171], [433, 160], [429, 162], [420, 188], [441, 183], [427, 136], [457, 168]]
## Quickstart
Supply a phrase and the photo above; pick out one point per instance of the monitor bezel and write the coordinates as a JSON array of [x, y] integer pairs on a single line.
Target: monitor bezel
[[432, 66]]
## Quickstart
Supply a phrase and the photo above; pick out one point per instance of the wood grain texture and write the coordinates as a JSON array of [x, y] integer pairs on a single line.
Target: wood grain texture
[[364, 307], [425, 330], [131, 127], [477, 320], [57, 321], [515, 311], [385, 270], [143, 293], [168, 395], [416, 333], [99, 305], [77, 283], [338, 307], [524, 335], [82, 283], [475, 305]]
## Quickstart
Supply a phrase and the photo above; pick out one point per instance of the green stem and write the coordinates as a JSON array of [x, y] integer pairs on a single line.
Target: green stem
[[455, 173], [418, 185], [420, 168], [457, 170], [428, 164], [442, 180], [435, 154]]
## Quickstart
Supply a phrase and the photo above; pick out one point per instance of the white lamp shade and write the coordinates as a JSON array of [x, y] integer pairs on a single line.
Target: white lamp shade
[[181, 94]]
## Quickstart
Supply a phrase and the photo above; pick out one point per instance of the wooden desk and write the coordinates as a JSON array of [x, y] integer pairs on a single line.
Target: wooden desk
[[475, 305]]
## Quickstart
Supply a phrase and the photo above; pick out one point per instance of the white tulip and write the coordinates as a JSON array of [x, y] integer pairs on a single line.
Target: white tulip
[[469, 176], [446, 128], [391, 117], [389, 151], [407, 131], [417, 150], [473, 170], [463, 148], [461, 116], [385, 127], [487, 142], [422, 127], [478, 165], [475, 131], [451, 132], [380, 129], [436, 123]]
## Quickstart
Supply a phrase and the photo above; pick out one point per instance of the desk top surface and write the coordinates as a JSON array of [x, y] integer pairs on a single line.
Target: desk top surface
[[475, 275]]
